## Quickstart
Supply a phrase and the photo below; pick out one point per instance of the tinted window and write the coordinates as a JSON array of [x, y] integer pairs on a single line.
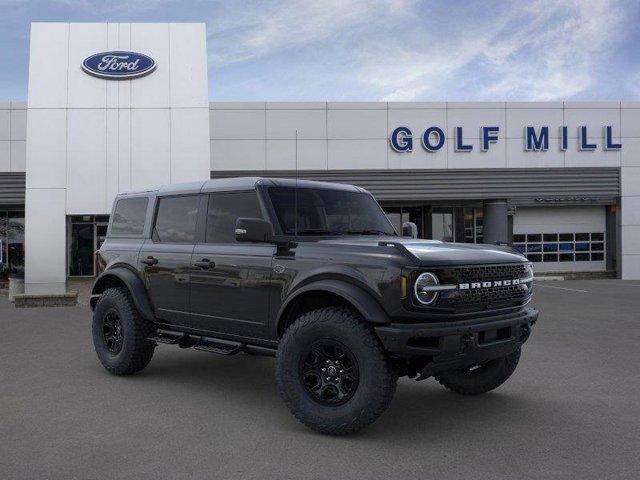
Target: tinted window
[[328, 211], [129, 215], [224, 210], [176, 219]]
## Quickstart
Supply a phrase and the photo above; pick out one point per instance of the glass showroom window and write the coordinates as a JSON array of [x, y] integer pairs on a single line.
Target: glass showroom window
[[11, 243], [561, 247]]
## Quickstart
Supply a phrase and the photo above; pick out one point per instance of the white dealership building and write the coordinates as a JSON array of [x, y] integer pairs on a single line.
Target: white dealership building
[[560, 180]]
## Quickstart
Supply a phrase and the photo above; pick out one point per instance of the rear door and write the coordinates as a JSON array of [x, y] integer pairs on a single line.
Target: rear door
[[230, 281], [165, 259]]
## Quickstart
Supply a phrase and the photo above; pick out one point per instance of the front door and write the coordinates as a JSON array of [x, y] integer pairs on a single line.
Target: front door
[[165, 258], [230, 281]]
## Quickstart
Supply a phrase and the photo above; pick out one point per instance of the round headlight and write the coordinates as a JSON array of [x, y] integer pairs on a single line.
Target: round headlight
[[423, 288]]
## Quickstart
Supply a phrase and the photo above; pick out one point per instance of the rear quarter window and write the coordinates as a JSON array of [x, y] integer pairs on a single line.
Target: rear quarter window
[[129, 216]]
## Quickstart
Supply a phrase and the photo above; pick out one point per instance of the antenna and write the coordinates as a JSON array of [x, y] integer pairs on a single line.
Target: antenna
[[295, 194]]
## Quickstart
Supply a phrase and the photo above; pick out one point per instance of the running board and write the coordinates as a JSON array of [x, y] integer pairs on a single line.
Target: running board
[[209, 344]]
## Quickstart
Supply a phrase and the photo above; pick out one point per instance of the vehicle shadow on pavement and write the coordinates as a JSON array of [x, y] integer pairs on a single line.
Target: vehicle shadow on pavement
[[246, 384]]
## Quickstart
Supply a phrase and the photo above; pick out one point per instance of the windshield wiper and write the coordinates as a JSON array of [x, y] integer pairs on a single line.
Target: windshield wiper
[[368, 232]]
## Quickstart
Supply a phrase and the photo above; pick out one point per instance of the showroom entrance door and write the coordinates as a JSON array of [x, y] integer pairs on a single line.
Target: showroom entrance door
[[85, 235]]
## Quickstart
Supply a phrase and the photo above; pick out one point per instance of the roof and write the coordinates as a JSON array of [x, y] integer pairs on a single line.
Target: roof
[[240, 183]]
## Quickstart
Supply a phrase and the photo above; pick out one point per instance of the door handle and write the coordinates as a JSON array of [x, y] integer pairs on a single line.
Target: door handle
[[150, 260], [205, 263]]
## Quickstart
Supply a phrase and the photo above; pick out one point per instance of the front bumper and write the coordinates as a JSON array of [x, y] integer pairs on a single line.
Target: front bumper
[[461, 344]]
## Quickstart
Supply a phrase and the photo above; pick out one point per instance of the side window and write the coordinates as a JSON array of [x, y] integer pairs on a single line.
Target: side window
[[224, 210], [129, 215], [176, 219]]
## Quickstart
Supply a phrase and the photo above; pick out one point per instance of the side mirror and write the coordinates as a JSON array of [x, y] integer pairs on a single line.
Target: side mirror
[[254, 230], [409, 229]]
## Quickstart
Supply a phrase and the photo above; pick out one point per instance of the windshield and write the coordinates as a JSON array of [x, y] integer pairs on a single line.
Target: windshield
[[328, 212]]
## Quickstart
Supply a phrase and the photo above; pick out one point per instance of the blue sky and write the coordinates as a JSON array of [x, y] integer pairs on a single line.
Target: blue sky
[[361, 50]]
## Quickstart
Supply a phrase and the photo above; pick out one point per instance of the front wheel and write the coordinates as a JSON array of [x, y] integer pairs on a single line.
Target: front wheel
[[480, 378], [120, 334], [332, 372]]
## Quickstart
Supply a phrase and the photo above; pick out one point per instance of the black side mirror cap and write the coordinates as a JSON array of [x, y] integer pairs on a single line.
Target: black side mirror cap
[[254, 230]]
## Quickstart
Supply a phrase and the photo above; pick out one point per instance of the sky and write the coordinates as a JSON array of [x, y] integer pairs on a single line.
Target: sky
[[377, 50]]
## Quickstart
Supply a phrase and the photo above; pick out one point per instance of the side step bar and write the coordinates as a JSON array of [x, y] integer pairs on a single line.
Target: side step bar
[[209, 344]]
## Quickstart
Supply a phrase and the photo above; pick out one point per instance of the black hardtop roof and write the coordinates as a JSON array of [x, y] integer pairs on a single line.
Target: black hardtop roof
[[239, 183]]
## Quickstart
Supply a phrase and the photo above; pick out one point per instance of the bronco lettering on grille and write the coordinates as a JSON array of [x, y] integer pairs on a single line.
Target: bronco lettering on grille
[[488, 284]]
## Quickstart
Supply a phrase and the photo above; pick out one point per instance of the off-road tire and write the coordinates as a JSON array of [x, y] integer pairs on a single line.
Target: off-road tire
[[136, 348], [377, 378], [482, 379]]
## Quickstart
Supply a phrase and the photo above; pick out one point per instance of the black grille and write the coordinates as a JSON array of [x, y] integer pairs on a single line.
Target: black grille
[[489, 272], [486, 297]]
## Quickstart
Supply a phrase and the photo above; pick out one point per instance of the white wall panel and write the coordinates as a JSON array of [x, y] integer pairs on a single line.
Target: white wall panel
[[47, 148], [592, 118], [357, 124], [630, 267], [111, 161], [630, 153], [18, 124], [495, 157], [631, 239], [419, 158], [598, 158], [113, 43], [86, 91], [48, 63], [18, 156], [630, 181], [630, 120], [519, 118], [357, 154], [190, 145], [472, 119], [5, 124], [5, 156], [152, 91], [517, 157], [311, 124], [281, 155], [124, 86], [418, 120], [630, 211], [124, 150], [150, 147], [45, 241], [237, 124], [238, 154], [86, 161], [188, 73]]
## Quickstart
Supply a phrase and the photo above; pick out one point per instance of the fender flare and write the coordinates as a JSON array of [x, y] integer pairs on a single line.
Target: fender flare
[[368, 306], [134, 284]]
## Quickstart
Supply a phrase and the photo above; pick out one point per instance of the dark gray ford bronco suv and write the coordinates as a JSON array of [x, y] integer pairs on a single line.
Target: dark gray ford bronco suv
[[314, 274]]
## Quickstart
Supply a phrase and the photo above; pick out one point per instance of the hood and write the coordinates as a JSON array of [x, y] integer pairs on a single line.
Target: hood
[[435, 252]]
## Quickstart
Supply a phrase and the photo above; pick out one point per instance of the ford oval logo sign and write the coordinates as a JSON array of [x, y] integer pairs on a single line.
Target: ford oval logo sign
[[118, 65]]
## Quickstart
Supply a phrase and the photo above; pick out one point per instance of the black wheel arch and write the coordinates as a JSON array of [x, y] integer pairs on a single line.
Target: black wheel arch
[[349, 294], [124, 277]]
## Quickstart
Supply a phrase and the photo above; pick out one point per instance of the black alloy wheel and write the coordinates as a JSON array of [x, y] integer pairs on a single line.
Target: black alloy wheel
[[329, 372], [112, 332]]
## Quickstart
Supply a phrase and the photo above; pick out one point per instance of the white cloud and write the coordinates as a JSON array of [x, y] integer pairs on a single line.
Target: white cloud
[[257, 30], [546, 50]]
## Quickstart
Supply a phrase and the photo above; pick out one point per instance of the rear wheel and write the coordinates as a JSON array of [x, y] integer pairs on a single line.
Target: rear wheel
[[120, 334], [332, 372], [480, 378]]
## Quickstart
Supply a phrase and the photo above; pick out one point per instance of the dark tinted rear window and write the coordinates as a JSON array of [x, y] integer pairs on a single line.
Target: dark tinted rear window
[[129, 215], [176, 219]]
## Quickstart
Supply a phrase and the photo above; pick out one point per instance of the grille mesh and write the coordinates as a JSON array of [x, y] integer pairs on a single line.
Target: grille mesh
[[487, 297]]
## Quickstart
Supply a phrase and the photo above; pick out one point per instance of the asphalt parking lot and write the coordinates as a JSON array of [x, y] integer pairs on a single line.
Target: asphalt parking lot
[[571, 410]]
